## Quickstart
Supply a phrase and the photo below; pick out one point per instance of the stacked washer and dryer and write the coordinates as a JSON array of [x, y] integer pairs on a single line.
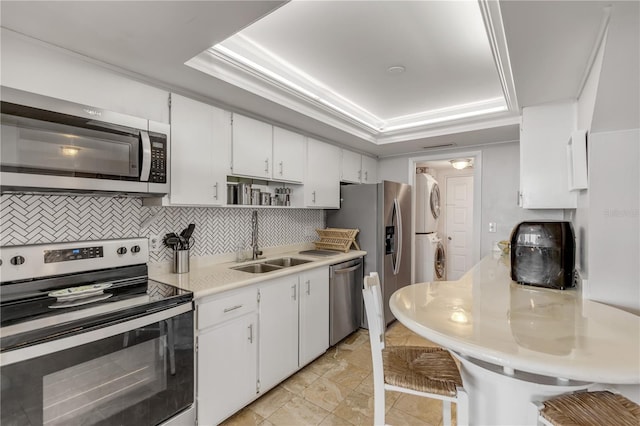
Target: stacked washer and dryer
[[430, 253]]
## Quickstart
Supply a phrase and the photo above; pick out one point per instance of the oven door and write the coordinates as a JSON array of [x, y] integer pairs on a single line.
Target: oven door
[[137, 372]]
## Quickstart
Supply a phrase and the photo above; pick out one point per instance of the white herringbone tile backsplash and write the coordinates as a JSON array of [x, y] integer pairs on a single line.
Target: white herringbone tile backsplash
[[32, 219]]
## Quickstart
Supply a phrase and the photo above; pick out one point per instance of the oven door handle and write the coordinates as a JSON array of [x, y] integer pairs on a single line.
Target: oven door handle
[[145, 170], [29, 352]]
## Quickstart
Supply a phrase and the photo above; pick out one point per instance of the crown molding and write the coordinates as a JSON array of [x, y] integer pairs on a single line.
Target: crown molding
[[460, 126], [493, 23]]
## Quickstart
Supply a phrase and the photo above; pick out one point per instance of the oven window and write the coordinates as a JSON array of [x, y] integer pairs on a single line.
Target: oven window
[[141, 377]]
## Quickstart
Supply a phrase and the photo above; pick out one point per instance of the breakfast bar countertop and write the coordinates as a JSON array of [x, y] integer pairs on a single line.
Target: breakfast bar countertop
[[488, 317]]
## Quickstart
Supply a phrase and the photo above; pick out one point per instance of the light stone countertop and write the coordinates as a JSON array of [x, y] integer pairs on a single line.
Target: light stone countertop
[[487, 316], [212, 275]]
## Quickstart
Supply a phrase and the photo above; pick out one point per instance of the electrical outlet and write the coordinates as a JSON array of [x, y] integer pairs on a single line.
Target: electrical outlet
[[492, 227], [155, 243]]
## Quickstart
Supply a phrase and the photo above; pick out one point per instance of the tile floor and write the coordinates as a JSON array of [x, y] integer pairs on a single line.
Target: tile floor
[[337, 389]]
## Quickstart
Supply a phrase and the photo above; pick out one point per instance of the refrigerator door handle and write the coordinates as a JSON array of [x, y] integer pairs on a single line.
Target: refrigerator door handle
[[396, 266]]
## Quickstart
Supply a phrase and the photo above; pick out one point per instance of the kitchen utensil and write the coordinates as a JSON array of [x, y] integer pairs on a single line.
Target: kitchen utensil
[[182, 245], [171, 240], [189, 233]]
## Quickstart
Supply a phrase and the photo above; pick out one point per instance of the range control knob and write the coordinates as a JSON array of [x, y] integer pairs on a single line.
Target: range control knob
[[121, 250], [135, 249], [17, 260]]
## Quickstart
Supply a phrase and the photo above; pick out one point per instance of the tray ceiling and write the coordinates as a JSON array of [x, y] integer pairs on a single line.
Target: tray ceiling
[[387, 67]]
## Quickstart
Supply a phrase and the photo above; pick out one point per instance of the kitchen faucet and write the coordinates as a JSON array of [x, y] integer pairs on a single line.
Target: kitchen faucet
[[254, 236]]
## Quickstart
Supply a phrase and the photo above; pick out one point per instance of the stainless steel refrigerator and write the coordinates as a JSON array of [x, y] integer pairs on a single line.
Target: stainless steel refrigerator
[[382, 213]]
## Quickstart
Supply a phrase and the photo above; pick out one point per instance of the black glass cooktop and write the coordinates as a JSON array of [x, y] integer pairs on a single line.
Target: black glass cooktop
[[33, 310]]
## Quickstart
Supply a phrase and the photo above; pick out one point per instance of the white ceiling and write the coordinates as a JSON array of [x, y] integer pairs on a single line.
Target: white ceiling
[[549, 46]]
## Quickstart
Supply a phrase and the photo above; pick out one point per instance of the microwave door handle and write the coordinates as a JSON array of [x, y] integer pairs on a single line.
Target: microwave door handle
[[396, 266], [145, 170]]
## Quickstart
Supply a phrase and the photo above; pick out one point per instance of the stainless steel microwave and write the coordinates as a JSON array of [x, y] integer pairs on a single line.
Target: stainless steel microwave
[[52, 145]]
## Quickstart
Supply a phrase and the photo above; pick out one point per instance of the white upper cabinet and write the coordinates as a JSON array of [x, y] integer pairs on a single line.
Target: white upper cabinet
[[369, 170], [200, 141], [288, 155], [322, 180], [544, 171], [351, 167], [356, 168], [252, 143]]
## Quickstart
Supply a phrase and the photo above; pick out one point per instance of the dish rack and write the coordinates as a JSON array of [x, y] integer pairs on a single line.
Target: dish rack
[[337, 239]]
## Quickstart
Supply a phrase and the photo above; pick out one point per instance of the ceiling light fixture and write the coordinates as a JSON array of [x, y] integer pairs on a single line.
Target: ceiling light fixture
[[396, 69], [460, 163]]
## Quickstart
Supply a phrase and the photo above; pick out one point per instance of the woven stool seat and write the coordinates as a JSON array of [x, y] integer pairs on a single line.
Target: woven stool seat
[[591, 409], [415, 370], [423, 369]]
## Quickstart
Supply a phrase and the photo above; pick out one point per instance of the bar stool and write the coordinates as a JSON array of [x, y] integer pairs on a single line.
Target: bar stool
[[589, 409], [427, 372]]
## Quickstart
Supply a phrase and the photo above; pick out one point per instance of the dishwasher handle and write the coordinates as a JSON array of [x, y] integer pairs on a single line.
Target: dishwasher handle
[[345, 270]]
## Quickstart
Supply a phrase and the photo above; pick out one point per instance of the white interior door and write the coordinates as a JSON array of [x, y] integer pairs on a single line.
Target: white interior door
[[459, 225]]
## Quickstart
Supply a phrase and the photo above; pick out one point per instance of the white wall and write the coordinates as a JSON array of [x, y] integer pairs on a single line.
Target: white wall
[[500, 184], [614, 219]]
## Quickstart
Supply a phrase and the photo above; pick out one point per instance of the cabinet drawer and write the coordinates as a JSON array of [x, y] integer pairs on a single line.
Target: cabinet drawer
[[225, 308]]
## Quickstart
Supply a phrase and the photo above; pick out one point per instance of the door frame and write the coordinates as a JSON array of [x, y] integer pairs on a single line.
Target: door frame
[[477, 197]]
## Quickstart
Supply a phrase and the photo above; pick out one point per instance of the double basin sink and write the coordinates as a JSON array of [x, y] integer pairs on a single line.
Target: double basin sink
[[271, 265]]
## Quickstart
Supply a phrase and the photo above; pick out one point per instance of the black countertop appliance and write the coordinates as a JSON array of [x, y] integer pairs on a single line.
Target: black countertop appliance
[[543, 254]]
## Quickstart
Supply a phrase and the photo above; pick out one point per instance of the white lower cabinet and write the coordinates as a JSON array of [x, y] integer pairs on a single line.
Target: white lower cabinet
[[294, 324], [313, 330], [250, 340], [278, 331], [227, 355]]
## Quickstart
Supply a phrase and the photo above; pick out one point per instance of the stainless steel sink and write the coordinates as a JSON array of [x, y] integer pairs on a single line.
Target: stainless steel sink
[[257, 268], [285, 262]]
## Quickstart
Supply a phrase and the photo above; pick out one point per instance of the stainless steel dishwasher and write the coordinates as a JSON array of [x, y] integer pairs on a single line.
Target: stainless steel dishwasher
[[345, 299]]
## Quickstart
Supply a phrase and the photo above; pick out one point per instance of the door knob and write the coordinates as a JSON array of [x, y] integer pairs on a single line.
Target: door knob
[[449, 238]]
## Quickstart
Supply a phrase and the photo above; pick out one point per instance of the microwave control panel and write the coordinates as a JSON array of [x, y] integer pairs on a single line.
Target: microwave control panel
[[158, 172]]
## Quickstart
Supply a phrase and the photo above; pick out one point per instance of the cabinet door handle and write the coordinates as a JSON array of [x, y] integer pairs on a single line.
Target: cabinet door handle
[[366, 176], [233, 308], [313, 198], [281, 168], [359, 174], [308, 287], [216, 193], [266, 166], [250, 333], [295, 291]]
